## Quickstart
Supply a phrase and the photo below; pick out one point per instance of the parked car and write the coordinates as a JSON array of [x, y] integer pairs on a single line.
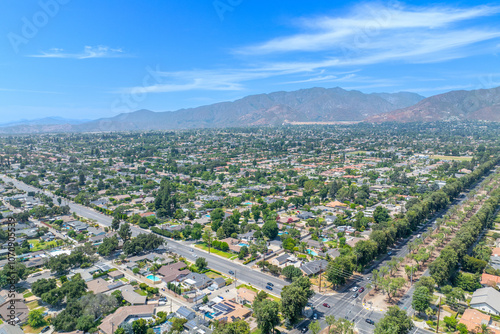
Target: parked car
[[315, 316], [46, 329], [354, 289], [355, 295], [304, 329], [231, 272], [389, 253], [370, 321], [326, 305], [361, 290], [270, 284], [268, 287]]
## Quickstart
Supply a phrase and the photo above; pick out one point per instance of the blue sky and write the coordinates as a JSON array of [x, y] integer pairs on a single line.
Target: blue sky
[[91, 59]]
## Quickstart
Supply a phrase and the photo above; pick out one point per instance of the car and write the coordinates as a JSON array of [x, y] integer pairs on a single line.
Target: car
[[191, 250], [361, 290], [389, 253], [315, 316], [304, 330], [231, 272], [326, 305], [45, 329], [354, 289], [419, 235], [270, 284], [268, 287], [195, 255], [355, 295], [370, 321]]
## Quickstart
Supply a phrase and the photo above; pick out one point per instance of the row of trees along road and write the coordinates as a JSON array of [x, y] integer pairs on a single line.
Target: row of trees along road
[[387, 231]]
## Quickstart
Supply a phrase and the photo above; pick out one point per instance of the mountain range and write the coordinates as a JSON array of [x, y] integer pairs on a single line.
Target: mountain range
[[313, 105]]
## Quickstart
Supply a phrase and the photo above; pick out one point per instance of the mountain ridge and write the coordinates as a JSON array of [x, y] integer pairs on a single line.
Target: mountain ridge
[[311, 105]]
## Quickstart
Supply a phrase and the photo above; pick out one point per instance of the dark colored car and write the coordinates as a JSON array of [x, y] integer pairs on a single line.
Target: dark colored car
[[370, 321], [361, 290], [303, 330], [270, 284], [326, 305], [46, 329], [268, 287], [355, 295], [231, 272]]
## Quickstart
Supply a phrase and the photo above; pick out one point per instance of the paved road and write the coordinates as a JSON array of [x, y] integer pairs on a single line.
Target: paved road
[[243, 273], [342, 304]]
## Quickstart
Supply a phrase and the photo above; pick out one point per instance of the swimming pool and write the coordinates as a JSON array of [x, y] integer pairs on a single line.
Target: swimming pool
[[247, 203], [310, 251], [281, 233], [153, 278], [242, 244], [209, 315], [325, 239]]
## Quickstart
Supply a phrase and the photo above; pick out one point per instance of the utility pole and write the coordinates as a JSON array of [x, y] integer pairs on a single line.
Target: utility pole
[[439, 311]]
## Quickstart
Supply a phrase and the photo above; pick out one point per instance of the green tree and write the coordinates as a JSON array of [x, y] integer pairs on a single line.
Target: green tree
[[207, 238], [115, 224], [166, 199], [124, 232], [291, 272], [140, 326], [421, 299], [294, 298], [201, 263], [395, 321], [270, 229], [235, 327], [381, 215], [267, 314], [35, 318], [314, 327]]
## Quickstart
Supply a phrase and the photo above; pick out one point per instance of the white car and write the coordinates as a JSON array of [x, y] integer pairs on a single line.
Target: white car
[[354, 289]]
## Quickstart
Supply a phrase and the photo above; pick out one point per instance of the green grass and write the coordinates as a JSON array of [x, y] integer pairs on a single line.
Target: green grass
[[140, 292], [27, 295], [32, 305], [256, 331], [446, 157], [123, 279], [215, 251], [37, 246], [212, 274], [276, 299]]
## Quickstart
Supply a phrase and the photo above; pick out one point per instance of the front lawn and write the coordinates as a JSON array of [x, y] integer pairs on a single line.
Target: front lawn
[[141, 292], [37, 245], [215, 251]]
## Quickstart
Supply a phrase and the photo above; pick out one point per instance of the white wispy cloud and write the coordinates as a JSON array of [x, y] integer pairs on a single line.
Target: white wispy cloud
[[368, 35], [367, 24], [88, 52]]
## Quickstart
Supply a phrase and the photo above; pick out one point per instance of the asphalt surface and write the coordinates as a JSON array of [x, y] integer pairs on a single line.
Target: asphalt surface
[[342, 304]]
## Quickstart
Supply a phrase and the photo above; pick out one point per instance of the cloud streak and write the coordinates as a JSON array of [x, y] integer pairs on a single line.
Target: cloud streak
[[87, 53], [368, 35]]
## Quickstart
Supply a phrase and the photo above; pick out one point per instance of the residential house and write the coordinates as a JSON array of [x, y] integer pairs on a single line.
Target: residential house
[[126, 314], [474, 319], [232, 311], [173, 272], [185, 313], [245, 296], [305, 215], [314, 267], [490, 280], [9, 329], [280, 260], [100, 285], [486, 300], [132, 297], [7, 304], [116, 274], [198, 281]]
